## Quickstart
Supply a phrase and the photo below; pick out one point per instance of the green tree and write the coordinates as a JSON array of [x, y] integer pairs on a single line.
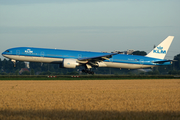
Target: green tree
[[3, 73], [25, 73], [20, 65], [32, 72], [155, 72], [0, 63], [17, 72], [7, 66], [141, 53], [176, 63]]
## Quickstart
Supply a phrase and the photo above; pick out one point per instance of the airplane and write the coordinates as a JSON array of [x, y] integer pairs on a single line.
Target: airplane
[[73, 58]]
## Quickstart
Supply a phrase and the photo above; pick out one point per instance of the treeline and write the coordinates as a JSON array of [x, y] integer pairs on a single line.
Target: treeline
[[7, 68]]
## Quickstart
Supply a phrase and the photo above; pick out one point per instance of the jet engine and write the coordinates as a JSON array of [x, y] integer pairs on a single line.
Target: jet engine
[[69, 63]]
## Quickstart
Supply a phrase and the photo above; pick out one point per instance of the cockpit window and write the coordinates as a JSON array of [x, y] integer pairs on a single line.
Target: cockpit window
[[7, 51]]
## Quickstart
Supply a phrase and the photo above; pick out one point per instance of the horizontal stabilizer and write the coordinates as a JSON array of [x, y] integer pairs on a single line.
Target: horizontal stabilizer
[[163, 61]]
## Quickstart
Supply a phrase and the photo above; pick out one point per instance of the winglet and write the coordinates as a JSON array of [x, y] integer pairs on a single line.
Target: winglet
[[161, 50]]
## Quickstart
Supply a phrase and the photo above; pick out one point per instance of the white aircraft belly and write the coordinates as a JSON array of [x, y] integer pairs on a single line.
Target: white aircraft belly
[[125, 65]]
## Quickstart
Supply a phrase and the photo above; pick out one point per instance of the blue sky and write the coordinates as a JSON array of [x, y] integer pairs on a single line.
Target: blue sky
[[96, 25]]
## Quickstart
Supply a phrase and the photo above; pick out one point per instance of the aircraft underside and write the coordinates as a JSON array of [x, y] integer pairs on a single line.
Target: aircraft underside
[[86, 70]]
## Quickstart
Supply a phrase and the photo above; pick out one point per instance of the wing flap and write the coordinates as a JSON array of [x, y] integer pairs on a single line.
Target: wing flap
[[98, 58]]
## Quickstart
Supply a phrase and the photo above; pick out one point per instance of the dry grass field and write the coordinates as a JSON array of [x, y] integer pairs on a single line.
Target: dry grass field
[[90, 99]]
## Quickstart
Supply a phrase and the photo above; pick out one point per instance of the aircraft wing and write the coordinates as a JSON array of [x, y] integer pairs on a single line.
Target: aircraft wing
[[98, 58]]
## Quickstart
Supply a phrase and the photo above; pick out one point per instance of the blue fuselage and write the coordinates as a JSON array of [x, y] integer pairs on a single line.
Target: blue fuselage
[[57, 56]]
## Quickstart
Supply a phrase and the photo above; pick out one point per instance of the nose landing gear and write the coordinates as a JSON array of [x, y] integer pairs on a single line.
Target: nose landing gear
[[14, 61]]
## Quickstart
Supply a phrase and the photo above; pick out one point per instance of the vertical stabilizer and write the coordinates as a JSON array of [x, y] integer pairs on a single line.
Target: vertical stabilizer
[[161, 50]]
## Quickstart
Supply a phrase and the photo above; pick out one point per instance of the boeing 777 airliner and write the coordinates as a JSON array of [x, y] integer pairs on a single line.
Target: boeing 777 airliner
[[72, 58]]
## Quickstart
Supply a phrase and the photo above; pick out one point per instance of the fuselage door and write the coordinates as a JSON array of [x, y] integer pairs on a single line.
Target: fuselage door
[[17, 52], [142, 61], [79, 56], [42, 54]]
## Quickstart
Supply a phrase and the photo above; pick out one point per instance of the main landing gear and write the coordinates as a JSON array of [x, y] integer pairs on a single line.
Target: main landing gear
[[87, 71]]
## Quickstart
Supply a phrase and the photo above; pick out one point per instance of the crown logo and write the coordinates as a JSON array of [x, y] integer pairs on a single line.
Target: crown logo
[[160, 48]]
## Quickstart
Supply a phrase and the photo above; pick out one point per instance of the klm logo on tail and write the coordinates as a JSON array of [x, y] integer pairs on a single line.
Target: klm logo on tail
[[159, 50]]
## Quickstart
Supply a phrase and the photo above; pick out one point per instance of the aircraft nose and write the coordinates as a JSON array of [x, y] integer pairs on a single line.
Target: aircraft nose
[[3, 53]]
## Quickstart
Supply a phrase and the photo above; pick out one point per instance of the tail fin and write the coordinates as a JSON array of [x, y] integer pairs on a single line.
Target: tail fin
[[161, 50]]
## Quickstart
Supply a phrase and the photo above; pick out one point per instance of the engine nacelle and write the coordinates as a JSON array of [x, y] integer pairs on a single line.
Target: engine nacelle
[[69, 63], [101, 64]]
